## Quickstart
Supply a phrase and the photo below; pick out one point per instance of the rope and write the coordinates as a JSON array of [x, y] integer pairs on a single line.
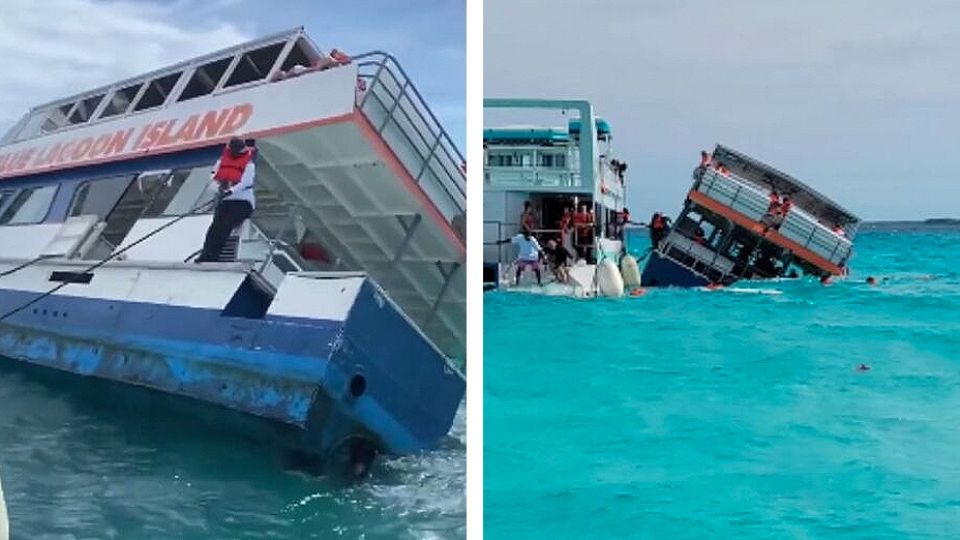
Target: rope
[[110, 257]]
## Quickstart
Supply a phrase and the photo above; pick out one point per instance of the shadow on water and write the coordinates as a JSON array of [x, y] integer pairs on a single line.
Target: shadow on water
[[99, 459]]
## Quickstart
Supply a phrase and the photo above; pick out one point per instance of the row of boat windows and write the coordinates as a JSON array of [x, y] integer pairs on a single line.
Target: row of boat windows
[[149, 194], [252, 66], [525, 159]]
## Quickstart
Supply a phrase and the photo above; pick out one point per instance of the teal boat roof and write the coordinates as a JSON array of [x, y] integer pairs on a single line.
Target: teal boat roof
[[525, 134], [603, 128]]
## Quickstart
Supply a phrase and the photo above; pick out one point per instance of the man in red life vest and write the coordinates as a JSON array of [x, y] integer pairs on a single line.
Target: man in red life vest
[[234, 173]]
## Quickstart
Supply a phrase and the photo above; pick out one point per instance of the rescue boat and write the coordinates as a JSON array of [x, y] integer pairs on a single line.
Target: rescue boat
[[335, 315], [743, 219], [554, 168]]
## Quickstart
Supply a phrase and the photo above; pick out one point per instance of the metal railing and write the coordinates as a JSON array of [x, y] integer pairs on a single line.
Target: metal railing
[[495, 176], [799, 226], [389, 99]]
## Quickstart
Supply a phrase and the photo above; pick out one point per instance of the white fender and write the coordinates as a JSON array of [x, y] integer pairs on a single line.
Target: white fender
[[630, 271], [609, 282], [4, 525]]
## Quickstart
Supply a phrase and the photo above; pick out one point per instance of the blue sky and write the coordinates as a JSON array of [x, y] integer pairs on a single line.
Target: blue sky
[[55, 48], [859, 99]]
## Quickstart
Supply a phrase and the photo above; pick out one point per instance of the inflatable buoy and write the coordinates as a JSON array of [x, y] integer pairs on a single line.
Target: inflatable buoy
[[630, 271], [609, 281]]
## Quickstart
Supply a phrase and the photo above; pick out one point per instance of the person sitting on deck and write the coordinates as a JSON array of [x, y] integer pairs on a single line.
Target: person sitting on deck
[[234, 174], [529, 254], [838, 230], [559, 260]]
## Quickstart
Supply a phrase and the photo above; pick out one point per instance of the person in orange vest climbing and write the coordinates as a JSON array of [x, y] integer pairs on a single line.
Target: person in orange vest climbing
[[234, 174], [705, 159], [659, 226]]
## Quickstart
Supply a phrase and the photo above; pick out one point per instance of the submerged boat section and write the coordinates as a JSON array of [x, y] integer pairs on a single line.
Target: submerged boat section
[[743, 219]]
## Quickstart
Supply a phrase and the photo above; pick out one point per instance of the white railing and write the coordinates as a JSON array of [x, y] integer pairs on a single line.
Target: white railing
[[530, 177], [397, 110], [799, 226]]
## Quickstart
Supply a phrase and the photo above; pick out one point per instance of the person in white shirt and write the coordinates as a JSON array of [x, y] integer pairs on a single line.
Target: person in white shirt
[[234, 173], [529, 255]]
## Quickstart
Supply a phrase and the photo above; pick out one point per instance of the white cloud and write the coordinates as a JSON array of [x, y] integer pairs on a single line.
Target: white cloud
[[55, 48]]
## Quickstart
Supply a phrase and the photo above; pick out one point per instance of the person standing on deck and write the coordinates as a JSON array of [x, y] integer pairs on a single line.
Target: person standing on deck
[[528, 219], [529, 254], [583, 225], [234, 174]]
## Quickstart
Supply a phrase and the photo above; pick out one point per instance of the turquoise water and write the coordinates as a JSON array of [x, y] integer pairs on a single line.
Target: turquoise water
[[75, 466], [689, 414]]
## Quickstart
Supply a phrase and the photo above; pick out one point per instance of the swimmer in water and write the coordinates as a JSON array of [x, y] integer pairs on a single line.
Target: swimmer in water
[[871, 280], [826, 280], [863, 367]]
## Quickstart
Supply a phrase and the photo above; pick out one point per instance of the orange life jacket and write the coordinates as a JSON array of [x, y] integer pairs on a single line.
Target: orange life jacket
[[341, 57], [231, 166]]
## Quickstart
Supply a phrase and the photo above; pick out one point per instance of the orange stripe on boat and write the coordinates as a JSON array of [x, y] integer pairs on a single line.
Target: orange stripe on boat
[[771, 235]]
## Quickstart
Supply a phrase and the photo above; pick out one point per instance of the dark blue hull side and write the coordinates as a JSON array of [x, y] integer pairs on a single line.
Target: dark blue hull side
[[321, 383], [662, 272]]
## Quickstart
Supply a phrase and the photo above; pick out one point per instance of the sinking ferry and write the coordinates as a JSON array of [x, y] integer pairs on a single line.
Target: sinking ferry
[[334, 315], [565, 181], [743, 219]]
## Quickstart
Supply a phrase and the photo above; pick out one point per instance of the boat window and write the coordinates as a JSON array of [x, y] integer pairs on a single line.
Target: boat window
[[85, 109], [57, 118], [195, 190], [167, 192], [205, 78], [157, 91], [29, 206], [98, 197], [298, 56], [120, 100], [254, 65], [132, 206]]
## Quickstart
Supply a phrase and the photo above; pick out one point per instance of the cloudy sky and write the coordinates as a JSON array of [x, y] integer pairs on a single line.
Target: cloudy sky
[[859, 99], [55, 48]]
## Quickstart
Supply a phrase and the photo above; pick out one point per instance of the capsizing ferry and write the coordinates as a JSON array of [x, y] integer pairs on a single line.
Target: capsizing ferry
[[335, 317]]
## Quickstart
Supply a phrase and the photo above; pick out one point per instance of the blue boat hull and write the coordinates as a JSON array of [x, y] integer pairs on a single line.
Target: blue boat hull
[[662, 272], [321, 384]]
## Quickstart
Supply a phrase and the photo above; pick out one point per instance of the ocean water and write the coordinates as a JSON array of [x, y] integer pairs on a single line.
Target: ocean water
[[695, 414], [75, 466]]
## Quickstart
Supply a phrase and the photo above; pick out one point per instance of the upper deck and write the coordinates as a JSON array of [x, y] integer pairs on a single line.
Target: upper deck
[[350, 158], [565, 160]]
